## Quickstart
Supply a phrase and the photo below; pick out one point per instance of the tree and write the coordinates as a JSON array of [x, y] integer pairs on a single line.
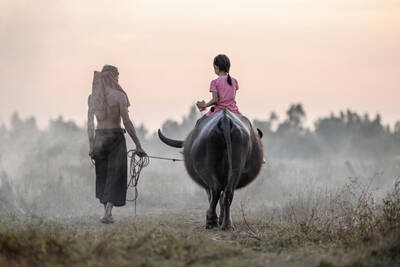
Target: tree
[[266, 126], [296, 115], [294, 122], [19, 126], [142, 131], [397, 129], [15, 121], [59, 125]]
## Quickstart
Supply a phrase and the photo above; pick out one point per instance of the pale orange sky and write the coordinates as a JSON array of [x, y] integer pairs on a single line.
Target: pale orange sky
[[327, 54]]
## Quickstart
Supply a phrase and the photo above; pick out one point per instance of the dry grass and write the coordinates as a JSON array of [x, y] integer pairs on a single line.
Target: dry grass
[[344, 228]]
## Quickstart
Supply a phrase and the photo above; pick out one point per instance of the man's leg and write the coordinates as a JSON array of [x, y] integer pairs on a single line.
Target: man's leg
[[109, 207], [107, 213], [116, 182]]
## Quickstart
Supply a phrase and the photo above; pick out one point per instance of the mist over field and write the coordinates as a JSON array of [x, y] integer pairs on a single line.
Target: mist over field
[[48, 172], [326, 196]]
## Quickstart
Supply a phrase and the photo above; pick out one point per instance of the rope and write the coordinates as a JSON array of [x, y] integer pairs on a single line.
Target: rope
[[172, 159], [135, 167], [152, 157]]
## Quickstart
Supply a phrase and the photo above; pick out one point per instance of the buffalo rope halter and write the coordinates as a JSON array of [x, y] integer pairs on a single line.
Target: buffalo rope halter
[[136, 165]]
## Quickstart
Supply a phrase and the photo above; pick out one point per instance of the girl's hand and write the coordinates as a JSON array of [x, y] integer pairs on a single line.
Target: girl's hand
[[201, 104]]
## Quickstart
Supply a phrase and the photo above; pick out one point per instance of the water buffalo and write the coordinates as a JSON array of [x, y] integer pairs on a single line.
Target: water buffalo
[[222, 153]]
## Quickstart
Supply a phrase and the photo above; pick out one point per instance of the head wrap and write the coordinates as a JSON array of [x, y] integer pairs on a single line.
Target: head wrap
[[110, 68], [106, 78]]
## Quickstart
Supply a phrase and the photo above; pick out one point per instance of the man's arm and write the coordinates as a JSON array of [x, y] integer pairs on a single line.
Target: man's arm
[[90, 126], [130, 128]]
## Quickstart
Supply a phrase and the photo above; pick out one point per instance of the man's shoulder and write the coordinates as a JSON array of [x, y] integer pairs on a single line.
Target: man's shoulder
[[119, 97]]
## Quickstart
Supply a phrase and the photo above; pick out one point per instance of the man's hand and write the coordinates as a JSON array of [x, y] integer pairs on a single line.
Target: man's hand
[[140, 152], [91, 147]]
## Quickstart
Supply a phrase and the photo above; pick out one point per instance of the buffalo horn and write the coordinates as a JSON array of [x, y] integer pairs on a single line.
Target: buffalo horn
[[170, 142]]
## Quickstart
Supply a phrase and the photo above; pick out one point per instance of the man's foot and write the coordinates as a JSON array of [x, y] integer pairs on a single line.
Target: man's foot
[[107, 220]]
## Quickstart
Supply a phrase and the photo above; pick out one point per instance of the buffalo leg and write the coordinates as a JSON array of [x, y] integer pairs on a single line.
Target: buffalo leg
[[212, 218], [235, 170], [221, 210], [227, 201], [208, 191]]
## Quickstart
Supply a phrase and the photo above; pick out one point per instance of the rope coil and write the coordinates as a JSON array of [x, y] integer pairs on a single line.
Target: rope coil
[[135, 167]]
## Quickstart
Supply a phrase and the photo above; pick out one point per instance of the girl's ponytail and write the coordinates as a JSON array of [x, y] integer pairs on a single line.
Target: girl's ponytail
[[229, 79], [224, 64]]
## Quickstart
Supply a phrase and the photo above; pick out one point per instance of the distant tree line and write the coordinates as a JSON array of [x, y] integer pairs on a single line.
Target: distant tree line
[[347, 134]]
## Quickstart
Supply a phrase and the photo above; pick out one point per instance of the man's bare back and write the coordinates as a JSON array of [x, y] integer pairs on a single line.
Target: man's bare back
[[115, 100]]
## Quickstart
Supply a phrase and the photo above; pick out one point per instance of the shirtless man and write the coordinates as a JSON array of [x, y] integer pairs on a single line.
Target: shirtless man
[[109, 103]]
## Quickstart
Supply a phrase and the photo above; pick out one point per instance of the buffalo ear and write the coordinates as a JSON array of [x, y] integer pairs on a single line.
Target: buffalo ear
[[260, 133]]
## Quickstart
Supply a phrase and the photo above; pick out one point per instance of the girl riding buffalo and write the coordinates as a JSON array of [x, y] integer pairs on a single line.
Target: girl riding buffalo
[[223, 88]]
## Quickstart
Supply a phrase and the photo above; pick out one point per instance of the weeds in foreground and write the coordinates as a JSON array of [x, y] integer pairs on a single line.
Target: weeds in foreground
[[391, 208], [348, 215], [350, 218], [348, 227]]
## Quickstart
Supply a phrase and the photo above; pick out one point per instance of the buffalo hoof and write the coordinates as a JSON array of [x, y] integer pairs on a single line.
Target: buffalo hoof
[[211, 225], [211, 220], [227, 226], [220, 220]]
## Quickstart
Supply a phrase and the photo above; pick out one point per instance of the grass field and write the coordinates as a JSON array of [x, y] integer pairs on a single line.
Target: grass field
[[364, 233], [346, 226]]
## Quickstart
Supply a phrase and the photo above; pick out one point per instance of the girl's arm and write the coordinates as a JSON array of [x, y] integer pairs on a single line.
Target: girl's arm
[[213, 101]]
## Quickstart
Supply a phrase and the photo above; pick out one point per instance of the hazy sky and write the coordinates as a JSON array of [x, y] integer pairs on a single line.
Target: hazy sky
[[327, 54]]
